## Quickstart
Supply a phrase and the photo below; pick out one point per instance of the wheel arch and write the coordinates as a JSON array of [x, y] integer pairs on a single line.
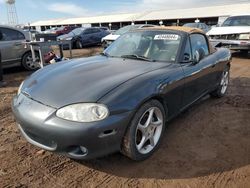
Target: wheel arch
[[28, 51], [156, 97], [160, 99]]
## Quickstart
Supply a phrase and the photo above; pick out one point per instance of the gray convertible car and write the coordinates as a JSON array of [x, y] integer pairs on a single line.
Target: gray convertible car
[[122, 99]]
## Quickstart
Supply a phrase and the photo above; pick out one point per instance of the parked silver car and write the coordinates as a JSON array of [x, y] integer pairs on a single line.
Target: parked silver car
[[204, 27], [13, 49], [109, 39]]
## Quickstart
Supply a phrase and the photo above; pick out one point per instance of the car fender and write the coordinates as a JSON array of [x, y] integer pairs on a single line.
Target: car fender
[[156, 84]]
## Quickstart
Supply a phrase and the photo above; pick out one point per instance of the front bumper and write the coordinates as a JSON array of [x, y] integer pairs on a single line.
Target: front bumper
[[41, 127], [233, 44]]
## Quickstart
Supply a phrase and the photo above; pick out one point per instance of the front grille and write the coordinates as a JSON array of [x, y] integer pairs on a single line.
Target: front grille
[[39, 139], [226, 37]]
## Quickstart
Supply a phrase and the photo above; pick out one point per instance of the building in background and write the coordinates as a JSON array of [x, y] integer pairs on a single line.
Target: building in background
[[212, 15]]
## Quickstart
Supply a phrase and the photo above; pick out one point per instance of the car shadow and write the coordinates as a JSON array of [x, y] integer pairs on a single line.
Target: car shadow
[[14, 76], [242, 55], [211, 137]]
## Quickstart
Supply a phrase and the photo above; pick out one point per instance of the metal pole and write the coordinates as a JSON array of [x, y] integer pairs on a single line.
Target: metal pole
[[41, 57]]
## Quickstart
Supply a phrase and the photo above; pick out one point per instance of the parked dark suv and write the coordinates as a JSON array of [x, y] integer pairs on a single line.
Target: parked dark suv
[[82, 37]]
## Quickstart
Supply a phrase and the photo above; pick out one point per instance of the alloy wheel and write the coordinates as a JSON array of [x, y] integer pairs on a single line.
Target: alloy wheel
[[224, 82], [149, 130], [31, 64]]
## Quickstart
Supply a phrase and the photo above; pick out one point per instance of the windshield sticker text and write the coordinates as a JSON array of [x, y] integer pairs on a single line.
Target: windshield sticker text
[[166, 37]]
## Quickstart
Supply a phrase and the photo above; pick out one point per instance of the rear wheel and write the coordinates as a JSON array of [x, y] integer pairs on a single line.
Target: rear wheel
[[28, 63], [244, 51], [222, 89], [145, 131], [79, 44]]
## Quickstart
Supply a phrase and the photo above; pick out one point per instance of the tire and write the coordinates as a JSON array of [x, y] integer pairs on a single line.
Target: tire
[[144, 134], [222, 89], [79, 44], [245, 52], [28, 63], [104, 44]]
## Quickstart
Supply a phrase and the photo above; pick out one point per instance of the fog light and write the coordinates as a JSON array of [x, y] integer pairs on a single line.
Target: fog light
[[77, 152]]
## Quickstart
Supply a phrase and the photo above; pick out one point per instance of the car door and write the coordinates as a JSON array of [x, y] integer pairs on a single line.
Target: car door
[[95, 36], [198, 75], [101, 33], [11, 45], [86, 37]]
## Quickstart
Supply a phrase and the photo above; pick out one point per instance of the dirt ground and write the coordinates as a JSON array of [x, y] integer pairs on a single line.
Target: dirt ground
[[207, 146]]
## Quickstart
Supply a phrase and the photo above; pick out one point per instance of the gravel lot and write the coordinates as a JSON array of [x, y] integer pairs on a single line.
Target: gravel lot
[[206, 146]]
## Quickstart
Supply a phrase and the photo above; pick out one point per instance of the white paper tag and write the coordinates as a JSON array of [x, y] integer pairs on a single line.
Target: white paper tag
[[166, 37]]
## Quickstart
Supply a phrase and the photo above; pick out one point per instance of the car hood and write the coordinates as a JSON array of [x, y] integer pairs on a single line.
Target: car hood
[[66, 36], [229, 30], [111, 37], [83, 80]]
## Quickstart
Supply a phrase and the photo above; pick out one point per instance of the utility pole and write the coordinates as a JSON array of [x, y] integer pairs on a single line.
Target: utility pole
[[11, 12]]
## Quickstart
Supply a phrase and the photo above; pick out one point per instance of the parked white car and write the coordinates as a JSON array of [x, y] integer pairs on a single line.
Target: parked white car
[[106, 41], [234, 33]]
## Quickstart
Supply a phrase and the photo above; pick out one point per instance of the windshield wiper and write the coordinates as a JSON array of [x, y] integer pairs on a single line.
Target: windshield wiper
[[105, 54], [134, 56]]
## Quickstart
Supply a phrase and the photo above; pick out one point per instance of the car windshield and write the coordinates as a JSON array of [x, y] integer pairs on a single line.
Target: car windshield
[[146, 45], [77, 31], [193, 25], [126, 29], [237, 21], [60, 28]]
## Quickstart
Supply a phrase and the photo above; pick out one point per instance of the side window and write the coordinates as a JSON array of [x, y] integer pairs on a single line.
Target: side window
[[88, 31], [199, 42], [20, 36], [187, 56], [96, 30], [10, 34]]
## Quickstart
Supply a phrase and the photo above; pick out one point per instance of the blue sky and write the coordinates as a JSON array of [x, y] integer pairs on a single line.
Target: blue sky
[[33, 10]]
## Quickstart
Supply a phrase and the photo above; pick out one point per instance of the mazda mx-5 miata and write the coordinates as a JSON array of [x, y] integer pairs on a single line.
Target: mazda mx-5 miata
[[122, 99]]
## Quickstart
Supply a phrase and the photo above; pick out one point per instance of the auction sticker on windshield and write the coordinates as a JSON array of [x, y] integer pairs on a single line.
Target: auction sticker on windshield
[[166, 37]]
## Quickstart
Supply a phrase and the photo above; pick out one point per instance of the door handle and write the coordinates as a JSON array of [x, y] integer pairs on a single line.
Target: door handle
[[18, 44]]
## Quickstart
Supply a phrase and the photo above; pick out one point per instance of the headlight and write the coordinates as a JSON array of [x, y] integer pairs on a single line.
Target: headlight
[[70, 38], [20, 89], [244, 36], [84, 112]]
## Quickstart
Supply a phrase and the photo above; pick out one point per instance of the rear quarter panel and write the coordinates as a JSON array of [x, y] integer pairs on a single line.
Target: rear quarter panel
[[224, 58]]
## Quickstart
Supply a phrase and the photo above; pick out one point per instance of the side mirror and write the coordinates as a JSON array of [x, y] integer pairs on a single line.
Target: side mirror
[[196, 57], [199, 55], [186, 58]]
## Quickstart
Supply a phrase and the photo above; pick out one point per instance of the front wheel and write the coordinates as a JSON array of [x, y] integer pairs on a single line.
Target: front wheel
[[222, 89], [79, 44], [145, 131], [28, 63]]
